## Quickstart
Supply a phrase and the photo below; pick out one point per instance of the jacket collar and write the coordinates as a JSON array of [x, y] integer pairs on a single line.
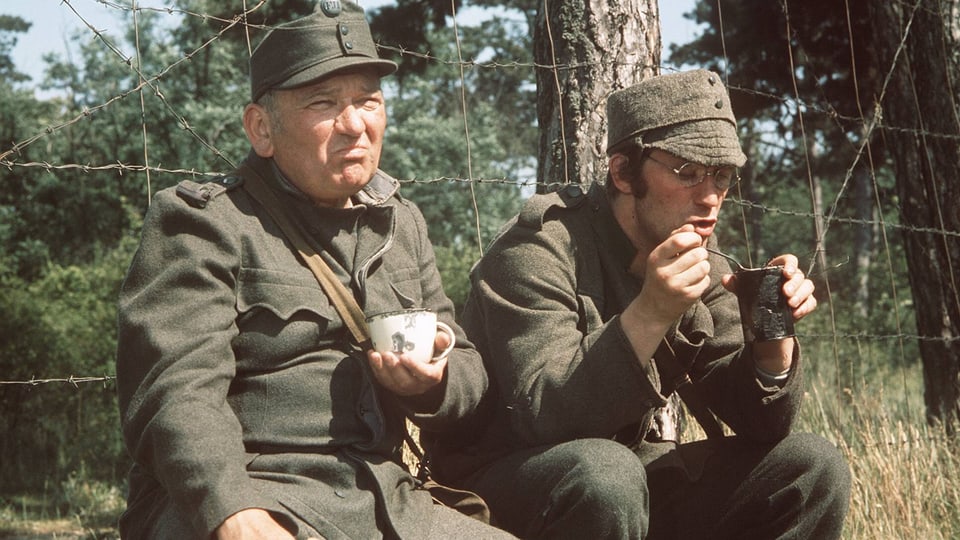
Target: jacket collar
[[610, 235], [380, 188]]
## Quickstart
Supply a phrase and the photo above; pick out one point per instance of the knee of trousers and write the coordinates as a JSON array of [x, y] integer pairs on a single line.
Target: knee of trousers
[[817, 463], [607, 475]]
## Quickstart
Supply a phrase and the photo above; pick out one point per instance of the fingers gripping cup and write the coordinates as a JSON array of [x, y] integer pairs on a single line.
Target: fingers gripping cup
[[409, 331], [763, 306]]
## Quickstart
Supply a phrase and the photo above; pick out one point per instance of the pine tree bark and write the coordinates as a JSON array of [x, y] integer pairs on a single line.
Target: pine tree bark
[[921, 125], [585, 50]]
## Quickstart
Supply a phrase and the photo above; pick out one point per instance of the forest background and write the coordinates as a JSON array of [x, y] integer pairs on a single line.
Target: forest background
[[155, 100]]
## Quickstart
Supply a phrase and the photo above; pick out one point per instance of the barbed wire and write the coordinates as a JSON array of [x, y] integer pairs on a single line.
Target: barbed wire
[[72, 380], [854, 126], [76, 381], [521, 183], [240, 20], [119, 167], [144, 82], [18, 146]]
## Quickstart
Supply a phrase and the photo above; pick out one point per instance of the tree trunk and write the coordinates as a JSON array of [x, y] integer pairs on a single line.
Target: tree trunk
[[586, 49], [921, 124]]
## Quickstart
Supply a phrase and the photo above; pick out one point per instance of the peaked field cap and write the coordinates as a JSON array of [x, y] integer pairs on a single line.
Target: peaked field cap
[[333, 38], [687, 114]]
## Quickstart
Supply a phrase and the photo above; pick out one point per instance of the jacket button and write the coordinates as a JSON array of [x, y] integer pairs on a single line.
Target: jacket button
[[330, 8]]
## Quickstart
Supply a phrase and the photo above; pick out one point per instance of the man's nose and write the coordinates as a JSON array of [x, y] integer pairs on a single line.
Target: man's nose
[[707, 192], [350, 120]]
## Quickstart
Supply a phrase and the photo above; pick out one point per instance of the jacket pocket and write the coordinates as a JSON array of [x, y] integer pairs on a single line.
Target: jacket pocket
[[281, 293], [396, 288], [281, 318]]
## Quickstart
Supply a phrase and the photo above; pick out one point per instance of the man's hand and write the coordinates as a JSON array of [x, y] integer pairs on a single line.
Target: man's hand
[[677, 273], [798, 290], [776, 356], [252, 524], [407, 377]]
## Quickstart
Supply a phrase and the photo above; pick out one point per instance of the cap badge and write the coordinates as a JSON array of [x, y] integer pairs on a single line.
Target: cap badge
[[330, 8]]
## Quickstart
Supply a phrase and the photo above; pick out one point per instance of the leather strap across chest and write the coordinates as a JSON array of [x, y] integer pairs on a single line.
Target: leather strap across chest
[[341, 298]]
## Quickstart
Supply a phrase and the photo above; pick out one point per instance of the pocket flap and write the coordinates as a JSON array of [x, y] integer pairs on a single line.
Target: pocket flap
[[282, 293]]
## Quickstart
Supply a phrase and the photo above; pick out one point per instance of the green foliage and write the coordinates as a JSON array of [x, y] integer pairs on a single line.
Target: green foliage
[[454, 263], [166, 95], [60, 326], [22, 240], [67, 229], [809, 160], [405, 25], [465, 190], [818, 38], [10, 27], [426, 149], [171, 97]]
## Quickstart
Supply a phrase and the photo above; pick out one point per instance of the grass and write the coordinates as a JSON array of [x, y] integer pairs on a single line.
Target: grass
[[904, 485], [80, 509], [905, 473], [26, 517]]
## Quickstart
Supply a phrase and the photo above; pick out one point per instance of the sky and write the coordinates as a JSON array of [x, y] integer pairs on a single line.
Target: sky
[[55, 20]]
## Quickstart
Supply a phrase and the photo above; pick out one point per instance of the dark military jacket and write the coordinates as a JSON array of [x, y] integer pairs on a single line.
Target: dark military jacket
[[239, 385], [544, 310]]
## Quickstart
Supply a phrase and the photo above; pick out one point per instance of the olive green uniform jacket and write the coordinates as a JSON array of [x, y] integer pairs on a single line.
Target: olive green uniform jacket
[[544, 310], [238, 384]]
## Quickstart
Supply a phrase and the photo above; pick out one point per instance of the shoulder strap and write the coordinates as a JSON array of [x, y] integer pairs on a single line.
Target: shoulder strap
[[340, 297]]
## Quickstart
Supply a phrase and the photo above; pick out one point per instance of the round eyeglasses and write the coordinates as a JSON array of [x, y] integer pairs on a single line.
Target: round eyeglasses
[[692, 174]]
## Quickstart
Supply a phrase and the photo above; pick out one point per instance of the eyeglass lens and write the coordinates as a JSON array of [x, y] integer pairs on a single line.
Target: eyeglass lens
[[691, 174]]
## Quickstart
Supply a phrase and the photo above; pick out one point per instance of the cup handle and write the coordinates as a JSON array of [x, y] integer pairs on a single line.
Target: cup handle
[[444, 327]]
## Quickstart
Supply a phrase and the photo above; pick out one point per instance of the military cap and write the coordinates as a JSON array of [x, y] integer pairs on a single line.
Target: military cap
[[687, 114], [333, 38]]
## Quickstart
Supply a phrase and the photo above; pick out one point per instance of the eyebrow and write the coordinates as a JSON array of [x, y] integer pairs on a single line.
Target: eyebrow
[[327, 88]]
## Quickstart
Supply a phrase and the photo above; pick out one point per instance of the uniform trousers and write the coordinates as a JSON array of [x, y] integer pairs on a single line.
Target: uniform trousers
[[726, 488], [440, 523]]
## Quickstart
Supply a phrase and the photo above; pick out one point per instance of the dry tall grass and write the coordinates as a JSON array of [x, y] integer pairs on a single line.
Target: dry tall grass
[[906, 474]]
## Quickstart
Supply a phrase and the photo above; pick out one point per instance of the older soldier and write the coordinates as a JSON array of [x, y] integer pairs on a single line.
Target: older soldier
[[592, 309], [248, 410]]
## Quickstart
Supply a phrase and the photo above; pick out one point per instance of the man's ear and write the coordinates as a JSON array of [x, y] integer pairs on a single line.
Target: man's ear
[[617, 168], [256, 122]]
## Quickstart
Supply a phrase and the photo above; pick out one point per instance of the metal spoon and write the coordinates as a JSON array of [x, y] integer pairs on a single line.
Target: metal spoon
[[727, 257]]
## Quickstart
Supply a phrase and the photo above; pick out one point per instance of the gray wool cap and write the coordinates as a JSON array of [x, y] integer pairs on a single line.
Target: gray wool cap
[[687, 114], [333, 38]]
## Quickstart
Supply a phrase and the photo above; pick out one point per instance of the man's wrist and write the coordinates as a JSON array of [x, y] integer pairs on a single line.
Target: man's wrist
[[772, 379], [773, 360]]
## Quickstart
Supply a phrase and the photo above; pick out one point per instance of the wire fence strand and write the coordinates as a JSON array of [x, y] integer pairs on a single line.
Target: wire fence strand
[[825, 219]]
